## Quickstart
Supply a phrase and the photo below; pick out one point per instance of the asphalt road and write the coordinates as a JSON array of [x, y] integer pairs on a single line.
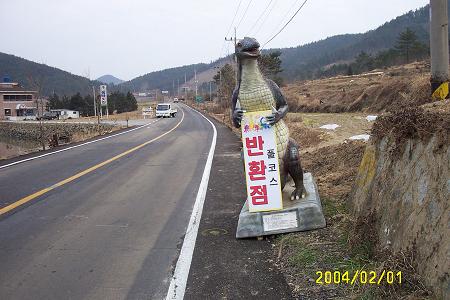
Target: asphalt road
[[112, 233]]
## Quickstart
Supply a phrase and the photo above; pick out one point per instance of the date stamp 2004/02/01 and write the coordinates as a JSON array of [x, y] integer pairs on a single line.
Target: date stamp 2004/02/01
[[358, 277]]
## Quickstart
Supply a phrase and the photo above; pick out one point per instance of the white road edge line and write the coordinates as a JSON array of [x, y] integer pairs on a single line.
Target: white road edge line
[[179, 278], [73, 147]]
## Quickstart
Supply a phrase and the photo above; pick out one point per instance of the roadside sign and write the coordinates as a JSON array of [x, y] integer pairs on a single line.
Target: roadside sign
[[103, 96], [198, 99], [262, 170], [147, 111], [441, 92], [164, 92]]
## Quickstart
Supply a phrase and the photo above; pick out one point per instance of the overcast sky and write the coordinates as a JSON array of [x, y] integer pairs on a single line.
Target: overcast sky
[[128, 38]]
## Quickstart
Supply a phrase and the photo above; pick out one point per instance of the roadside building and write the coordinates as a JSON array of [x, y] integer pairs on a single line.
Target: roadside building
[[17, 103]]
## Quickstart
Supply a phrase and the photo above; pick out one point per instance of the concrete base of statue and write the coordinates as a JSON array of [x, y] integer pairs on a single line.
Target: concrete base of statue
[[298, 215]]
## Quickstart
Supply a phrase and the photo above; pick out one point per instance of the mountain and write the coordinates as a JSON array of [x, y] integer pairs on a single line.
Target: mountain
[[52, 80], [110, 79], [167, 79], [303, 61]]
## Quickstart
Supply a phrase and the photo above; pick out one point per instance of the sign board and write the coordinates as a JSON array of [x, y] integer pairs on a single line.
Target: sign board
[[262, 170], [164, 92], [280, 221], [147, 111], [103, 96], [198, 99], [441, 92]]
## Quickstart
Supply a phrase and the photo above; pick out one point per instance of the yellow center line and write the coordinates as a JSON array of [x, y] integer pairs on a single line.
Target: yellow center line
[[28, 198]]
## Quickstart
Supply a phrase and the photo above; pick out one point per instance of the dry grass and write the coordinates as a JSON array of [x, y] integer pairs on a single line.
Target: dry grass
[[403, 86]]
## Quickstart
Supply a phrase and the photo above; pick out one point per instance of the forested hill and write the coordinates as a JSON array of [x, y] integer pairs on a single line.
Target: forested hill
[[51, 79], [303, 61], [165, 79]]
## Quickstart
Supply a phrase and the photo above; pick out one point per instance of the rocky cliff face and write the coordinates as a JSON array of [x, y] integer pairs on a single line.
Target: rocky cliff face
[[403, 185]]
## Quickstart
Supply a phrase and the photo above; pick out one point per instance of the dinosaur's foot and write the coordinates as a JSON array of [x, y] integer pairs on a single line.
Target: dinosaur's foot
[[297, 194]]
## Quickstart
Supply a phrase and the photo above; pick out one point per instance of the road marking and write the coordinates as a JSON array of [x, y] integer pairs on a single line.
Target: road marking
[[28, 198], [179, 278], [76, 146], [112, 225]]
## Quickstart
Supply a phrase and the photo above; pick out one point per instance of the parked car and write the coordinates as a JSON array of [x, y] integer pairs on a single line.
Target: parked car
[[175, 100], [48, 116]]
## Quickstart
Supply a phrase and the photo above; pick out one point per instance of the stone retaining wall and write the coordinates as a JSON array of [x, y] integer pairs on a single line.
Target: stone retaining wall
[[64, 132], [403, 186]]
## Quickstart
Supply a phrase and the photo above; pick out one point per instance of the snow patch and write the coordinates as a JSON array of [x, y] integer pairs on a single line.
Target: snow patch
[[364, 137], [371, 118], [330, 126]]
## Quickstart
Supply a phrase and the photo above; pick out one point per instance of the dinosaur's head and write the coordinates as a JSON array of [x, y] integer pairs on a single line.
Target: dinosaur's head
[[247, 48]]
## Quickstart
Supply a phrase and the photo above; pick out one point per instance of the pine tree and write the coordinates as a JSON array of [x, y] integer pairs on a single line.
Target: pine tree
[[270, 66], [408, 45]]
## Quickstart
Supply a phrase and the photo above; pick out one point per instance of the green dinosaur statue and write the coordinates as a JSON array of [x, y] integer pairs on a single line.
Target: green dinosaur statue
[[253, 92]]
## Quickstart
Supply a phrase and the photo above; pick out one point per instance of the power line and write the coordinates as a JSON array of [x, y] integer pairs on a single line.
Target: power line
[[286, 15], [257, 20], [265, 18], [235, 14], [303, 4], [245, 12], [231, 25]]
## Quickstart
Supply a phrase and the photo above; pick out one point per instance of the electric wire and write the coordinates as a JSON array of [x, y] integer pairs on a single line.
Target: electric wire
[[229, 28], [285, 17], [301, 6], [259, 18], [235, 14], [265, 18], [245, 13]]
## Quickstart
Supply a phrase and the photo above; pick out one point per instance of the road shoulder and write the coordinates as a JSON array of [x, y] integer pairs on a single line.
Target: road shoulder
[[223, 267]]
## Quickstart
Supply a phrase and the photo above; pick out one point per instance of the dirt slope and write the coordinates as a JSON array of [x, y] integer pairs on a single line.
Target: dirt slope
[[381, 90]]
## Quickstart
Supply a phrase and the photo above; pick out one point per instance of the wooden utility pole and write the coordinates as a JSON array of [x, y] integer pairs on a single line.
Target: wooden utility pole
[[95, 103], [235, 57], [233, 39], [210, 91], [439, 43], [196, 84], [185, 88]]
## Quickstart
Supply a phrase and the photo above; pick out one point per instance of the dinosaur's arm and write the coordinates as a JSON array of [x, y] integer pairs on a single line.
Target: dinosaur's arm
[[280, 101], [235, 115]]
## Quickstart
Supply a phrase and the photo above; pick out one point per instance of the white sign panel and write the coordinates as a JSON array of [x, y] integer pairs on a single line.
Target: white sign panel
[[147, 111], [164, 92], [103, 95], [279, 221], [262, 169]]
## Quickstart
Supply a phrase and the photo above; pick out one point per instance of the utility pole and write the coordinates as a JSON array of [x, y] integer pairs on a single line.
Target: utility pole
[[235, 42], [439, 43], [95, 103], [219, 89], [196, 84], [173, 88], [210, 91], [231, 39], [185, 88], [178, 88]]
